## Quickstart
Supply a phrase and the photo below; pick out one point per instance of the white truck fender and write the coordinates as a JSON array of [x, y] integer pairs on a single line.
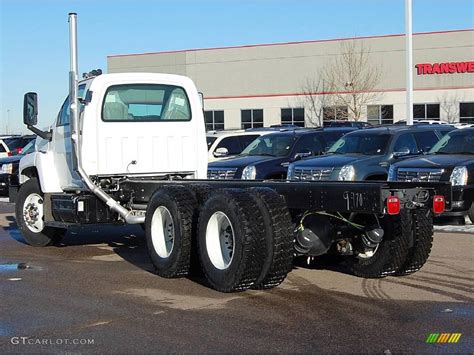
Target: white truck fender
[[43, 162]]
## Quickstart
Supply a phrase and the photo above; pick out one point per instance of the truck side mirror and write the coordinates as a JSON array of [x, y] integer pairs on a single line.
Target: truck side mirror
[[30, 109]]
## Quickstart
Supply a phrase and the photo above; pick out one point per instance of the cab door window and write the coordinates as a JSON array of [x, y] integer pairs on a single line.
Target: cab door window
[[63, 116]]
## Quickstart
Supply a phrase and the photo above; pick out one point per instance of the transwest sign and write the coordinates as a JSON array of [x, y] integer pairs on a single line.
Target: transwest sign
[[444, 68]]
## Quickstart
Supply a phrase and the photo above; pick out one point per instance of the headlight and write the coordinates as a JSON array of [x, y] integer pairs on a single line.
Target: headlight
[[249, 173], [7, 168], [459, 176], [347, 173], [291, 169], [392, 173]]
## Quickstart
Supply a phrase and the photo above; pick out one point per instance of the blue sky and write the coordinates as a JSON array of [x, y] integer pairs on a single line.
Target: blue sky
[[34, 34]]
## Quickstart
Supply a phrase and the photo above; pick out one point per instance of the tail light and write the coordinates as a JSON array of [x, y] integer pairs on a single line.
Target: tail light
[[393, 205], [439, 204], [10, 154], [18, 150]]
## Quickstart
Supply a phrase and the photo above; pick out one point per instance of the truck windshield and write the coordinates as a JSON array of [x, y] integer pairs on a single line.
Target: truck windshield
[[368, 144], [146, 102], [457, 142], [272, 145]]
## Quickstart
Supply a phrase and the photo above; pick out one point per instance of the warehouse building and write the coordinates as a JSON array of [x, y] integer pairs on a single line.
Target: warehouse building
[[267, 84]]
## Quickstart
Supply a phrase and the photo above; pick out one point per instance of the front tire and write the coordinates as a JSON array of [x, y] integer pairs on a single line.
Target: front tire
[[29, 213], [470, 213]]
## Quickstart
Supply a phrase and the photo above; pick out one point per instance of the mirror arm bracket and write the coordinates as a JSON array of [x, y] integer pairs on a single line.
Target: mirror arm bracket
[[45, 135]]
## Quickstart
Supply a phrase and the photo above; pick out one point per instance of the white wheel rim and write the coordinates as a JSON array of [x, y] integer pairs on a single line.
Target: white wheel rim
[[220, 241], [33, 212], [162, 232]]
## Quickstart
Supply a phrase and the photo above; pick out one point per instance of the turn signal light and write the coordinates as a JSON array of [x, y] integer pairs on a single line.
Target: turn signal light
[[439, 204], [393, 205]]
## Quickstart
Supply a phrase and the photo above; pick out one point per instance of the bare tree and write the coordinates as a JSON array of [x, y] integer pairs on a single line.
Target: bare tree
[[450, 107], [314, 98], [349, 80]]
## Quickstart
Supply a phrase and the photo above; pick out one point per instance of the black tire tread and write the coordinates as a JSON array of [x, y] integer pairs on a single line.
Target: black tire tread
[[422, 243], [470, 212], [395, 249], [253, 243], [186, 205], [280, 254], [49, 235]]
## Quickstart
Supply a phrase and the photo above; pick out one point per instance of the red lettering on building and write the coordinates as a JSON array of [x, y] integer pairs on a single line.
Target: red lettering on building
[[444, 68]]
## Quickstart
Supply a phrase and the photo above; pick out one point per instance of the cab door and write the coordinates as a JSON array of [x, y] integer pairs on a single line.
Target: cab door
[[62, 148]]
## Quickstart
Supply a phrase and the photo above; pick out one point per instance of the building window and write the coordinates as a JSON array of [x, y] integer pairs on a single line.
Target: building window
[[252, 118], [331, 113], [214, 120], [380, 114], [466, 112], [294, 116], [426, 111]]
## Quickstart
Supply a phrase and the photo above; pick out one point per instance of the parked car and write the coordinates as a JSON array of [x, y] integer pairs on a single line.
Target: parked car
[[451, 159], [415, 122], [4, 148], [9, 168], [12, 144], [224, 144], [367, 154], [355, 124], [268, 156], [16, 144]]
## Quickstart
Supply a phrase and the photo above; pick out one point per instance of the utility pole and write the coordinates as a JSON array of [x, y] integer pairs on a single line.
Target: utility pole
[[409, 61]]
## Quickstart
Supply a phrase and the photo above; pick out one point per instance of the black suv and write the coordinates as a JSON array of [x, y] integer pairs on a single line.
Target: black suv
[[451, 159], [268, 156], [9, 168], [367, 154]]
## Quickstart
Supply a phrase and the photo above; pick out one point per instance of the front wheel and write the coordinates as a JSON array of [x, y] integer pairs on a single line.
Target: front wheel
[[470, 213], [29, 212]]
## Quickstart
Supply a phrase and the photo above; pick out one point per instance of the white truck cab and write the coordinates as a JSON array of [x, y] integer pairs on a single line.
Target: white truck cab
[[130, 124]]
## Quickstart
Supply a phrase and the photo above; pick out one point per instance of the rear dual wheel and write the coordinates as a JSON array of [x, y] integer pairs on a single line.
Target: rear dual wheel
[[168, 230], [390, 254], [245, 239]]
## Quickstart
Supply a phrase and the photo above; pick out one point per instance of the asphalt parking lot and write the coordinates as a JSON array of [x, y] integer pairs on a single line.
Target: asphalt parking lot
[[96, 293]]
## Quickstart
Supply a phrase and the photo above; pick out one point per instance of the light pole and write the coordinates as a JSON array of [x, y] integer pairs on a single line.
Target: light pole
[[409, 61], [8, 121]]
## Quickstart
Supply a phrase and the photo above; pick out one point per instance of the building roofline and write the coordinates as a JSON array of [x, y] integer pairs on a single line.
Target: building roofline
[[333, 92], [287, 43]]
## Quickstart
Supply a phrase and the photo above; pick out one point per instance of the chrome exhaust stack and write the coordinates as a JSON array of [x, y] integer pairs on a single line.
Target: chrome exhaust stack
[[127, 215]]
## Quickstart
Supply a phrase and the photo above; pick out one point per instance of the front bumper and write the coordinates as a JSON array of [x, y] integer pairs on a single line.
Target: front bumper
[[4, 183], [463, 197]]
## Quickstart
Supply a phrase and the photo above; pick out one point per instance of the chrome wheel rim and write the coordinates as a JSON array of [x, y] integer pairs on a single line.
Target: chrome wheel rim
[[33, 213]]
